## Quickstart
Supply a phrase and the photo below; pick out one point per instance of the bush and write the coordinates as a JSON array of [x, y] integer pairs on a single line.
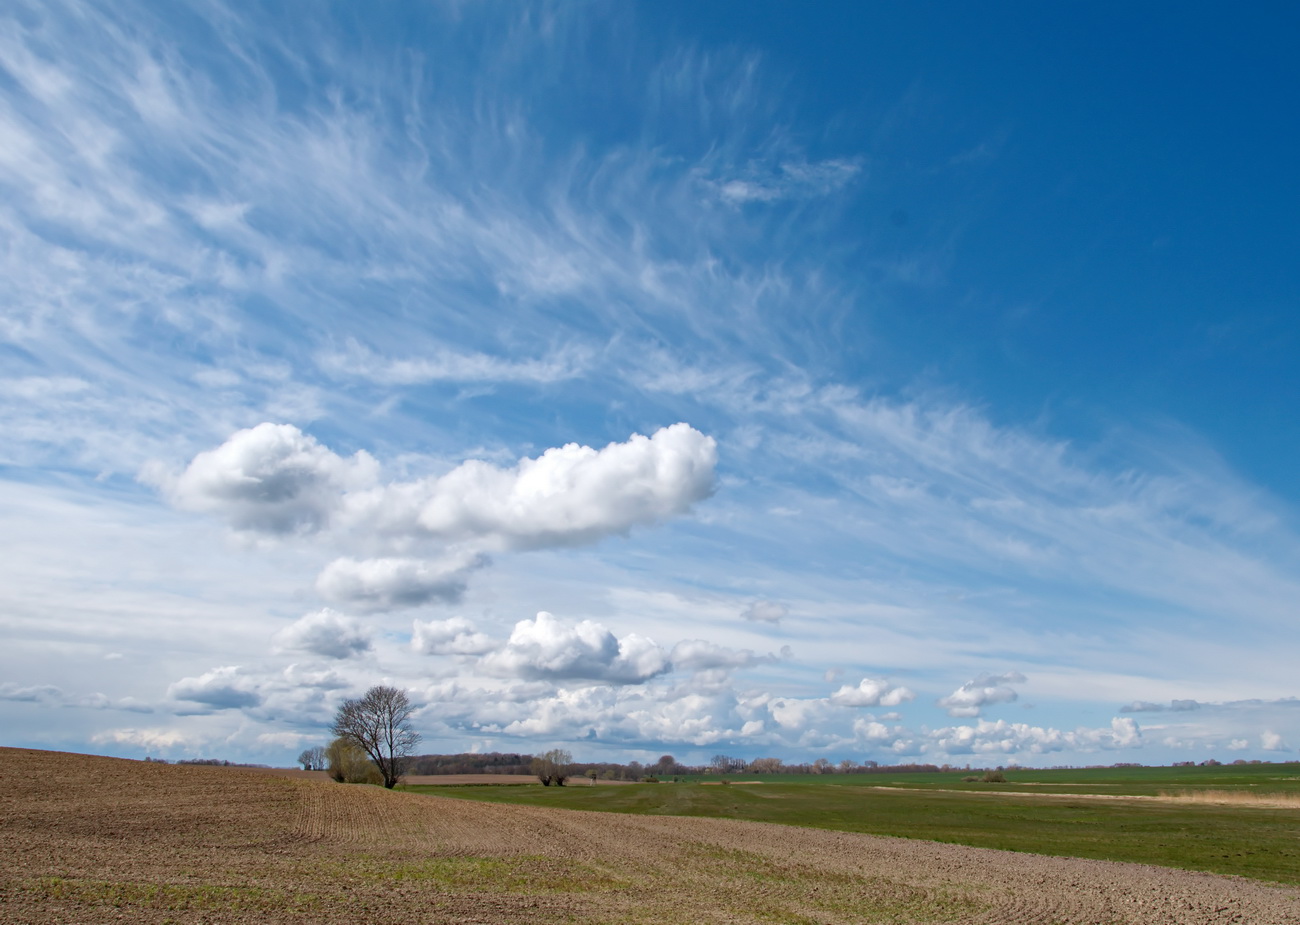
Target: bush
[[994, 777], [348, 764]]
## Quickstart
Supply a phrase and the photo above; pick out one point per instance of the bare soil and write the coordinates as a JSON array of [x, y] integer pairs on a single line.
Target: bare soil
[[88, 840]]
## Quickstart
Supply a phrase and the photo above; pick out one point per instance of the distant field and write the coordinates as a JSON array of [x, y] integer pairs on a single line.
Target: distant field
[[1165, 816]]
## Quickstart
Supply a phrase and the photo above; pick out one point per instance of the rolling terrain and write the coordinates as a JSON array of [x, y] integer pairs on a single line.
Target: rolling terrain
[[89, 839]]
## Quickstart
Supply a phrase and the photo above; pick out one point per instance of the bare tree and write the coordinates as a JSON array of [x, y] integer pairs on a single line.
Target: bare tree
[[313, 759], [553, 767], [379, 723]]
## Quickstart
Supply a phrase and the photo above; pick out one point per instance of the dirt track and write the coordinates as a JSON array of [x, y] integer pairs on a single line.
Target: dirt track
[[88, 839]]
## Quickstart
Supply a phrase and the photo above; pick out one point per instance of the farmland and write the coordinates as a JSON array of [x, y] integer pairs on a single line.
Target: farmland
[[1240, 819], [89, 839]]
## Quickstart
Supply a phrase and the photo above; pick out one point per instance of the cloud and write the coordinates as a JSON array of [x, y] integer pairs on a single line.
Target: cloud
[[1272, 741], [225, 688], [766, 612], [871, 692], [42, 693], [1001, 737], [790, 180], [389, 584], [275, 480], [968, 699], [698, 655], [1144, 706], [570, 495], [456, 636], [270, 479], [326, 632], [446, 365], [546, 648], [155, 739]]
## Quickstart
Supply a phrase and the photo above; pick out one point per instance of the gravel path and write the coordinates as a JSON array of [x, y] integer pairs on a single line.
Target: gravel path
[[88, 839]]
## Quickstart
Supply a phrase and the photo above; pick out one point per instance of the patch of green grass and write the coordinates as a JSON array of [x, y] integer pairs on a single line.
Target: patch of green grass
[[1263, 843]]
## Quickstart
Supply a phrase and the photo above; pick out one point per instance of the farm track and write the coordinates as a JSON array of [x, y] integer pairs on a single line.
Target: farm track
[[88, 839]]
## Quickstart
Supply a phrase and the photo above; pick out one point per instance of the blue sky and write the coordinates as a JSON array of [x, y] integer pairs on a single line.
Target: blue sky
[[892, 382]]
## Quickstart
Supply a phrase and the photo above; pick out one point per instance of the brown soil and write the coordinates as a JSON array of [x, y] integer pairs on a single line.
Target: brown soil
[[88, 840]]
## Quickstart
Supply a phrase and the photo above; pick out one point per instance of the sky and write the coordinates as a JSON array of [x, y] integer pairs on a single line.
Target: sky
[[892, 382]]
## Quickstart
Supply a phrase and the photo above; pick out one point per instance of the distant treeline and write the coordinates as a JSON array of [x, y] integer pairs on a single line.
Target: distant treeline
[[666, 767], [487, 763], [216, 762]]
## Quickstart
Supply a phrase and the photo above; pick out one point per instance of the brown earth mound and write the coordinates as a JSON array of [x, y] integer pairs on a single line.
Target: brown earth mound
[[87, 839]]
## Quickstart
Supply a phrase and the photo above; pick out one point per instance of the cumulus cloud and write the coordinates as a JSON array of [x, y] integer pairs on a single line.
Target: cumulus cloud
[[326, 632], [275, 480], [456, 636], [270, 479], [569, 495], [391, 583], [871, 692], [549, 649], [975, 694], [1002, 737], [765, 612], [224, 688], [1271, 741]]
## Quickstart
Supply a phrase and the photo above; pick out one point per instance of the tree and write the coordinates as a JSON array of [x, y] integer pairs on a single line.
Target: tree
[[379, 723], [553, 767], [348, 764], [312, 759]]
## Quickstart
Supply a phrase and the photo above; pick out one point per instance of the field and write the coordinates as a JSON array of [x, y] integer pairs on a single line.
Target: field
[[1242, 819], [91, 840]]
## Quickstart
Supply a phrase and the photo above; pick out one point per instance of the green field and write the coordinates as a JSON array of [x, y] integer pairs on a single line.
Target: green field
[[1251, 841]]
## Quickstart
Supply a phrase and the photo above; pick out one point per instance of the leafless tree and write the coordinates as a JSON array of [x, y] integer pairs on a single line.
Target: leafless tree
[[313, 759], [553, 767], [379, 723]]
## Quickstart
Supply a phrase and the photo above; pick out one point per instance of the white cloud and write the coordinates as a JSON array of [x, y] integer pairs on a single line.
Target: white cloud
[[699, 655], [546, 648], [766, 612], [453, 366], [1004, 738], [225, 688], [569, 495], [155, 739], [271, 478], [1272, 741], [391, 583], [871, 692], [274, 479], [456, 636], [326, 632], [790, 180], [968, 699]]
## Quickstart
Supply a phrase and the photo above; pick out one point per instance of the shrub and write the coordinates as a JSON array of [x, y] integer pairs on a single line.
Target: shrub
[[994, 777], [348, 764]]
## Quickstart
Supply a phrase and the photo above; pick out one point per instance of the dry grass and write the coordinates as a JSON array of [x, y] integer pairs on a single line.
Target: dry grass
[[1234, 798]]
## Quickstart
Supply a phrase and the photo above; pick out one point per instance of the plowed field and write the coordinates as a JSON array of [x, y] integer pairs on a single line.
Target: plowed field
[[87, 839]]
